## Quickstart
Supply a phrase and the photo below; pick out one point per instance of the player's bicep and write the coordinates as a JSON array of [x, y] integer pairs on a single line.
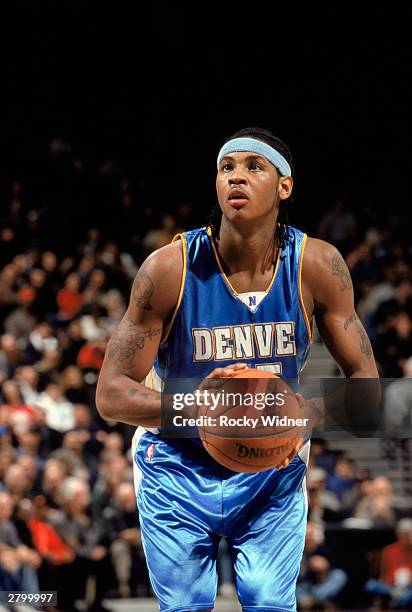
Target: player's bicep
[[337, 321], [132, 348]]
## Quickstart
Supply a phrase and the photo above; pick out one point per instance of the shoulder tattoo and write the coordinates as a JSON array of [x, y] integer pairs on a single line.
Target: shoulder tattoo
[[143, 290], [340, 269]]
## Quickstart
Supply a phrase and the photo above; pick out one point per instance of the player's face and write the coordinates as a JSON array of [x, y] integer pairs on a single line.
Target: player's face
[[249, 186]]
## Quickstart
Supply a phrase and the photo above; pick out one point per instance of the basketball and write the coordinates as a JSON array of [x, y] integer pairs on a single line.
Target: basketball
[[257, 430]]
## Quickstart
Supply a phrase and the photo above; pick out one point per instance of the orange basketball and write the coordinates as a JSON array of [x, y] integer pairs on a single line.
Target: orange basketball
[[255, 424]]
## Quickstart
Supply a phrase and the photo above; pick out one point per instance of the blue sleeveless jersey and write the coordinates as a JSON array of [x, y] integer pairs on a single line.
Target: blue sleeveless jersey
[[187, 500], [213, 327]]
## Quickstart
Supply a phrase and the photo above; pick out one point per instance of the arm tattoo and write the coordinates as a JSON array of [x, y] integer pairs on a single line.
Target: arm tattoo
[[364, 344], [124, 344], [133, 392], [340, 269], [349, 320], [143, 291]]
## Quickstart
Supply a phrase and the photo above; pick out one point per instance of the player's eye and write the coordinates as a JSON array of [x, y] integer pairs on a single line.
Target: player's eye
[[255, 166], [227, 167]]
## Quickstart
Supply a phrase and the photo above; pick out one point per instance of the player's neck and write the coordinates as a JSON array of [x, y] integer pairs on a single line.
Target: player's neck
[[247, 248]]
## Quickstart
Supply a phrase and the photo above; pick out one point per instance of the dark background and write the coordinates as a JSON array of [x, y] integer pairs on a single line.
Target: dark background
[[157, 89]]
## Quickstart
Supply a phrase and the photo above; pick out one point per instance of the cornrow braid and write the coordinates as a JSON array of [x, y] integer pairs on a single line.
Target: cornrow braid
[[281, 231]]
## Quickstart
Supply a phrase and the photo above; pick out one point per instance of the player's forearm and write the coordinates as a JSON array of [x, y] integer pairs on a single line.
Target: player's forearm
[[127, 401], [351, 404]]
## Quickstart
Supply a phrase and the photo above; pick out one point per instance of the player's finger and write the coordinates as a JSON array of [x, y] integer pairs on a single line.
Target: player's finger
[[301, 400], [211, 383], [228, 371], [232, 369], [217, 373], [284, 464]]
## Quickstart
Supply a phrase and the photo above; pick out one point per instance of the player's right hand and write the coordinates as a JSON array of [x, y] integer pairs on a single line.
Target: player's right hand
[[215, 380], [228, 371]]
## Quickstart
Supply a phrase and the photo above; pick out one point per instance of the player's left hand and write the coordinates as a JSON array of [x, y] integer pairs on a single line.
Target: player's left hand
[[293, 452], [304, 405]]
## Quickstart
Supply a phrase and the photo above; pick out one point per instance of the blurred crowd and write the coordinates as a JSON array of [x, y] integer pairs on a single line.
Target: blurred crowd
[[379, 259], [358, 547], [67, 502]]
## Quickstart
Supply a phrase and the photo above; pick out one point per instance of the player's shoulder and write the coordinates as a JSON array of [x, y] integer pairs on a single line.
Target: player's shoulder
[[319, 253], [160, 277], [322, 265], [167, 259]]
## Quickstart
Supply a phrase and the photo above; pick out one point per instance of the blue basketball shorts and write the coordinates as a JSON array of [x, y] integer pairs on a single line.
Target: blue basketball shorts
[[187, 502]]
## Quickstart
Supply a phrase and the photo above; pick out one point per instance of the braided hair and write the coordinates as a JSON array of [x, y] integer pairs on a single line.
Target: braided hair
[[281, 231]]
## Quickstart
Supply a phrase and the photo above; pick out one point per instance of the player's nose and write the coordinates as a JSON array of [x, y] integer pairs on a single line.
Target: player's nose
[[237, 177]]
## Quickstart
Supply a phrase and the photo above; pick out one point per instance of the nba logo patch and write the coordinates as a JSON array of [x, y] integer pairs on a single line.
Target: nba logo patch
[[150, 452]]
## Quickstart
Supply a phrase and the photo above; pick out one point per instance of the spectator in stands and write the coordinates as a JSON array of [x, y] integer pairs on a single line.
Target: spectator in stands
[[398, 403], [126, 548], [7, 458], [56, 556], [8, 290], [27, 379], [71, 341], [394, 586], [17, 483], [72, 385], [343, 479], [30, 467], [377, 506], [360, 490], [69, 298], [41, 339], [324, 506], [19, 562], [113, 470], [321, 456], [394, 346], [59, 412], [319, 582], [54, 473], [89, 537], [21, 320], [157, 238], [364, 269], [44, 302], [115, 309], [72, 452], [401, 301], [10, 357]]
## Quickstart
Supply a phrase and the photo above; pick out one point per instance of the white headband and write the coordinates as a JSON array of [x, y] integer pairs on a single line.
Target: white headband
[[252, 145]]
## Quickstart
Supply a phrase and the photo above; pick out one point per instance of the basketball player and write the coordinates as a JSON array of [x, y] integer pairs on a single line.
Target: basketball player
[[244, 291]]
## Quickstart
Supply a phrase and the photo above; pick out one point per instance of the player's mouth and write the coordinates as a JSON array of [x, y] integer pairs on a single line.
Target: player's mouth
[[237, 198]]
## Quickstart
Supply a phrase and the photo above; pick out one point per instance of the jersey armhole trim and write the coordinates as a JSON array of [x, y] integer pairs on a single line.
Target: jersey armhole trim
[[181, 237], [309, 323]]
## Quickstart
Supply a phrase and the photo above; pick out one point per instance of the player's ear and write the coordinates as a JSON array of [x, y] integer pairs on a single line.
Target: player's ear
[[285, 187]]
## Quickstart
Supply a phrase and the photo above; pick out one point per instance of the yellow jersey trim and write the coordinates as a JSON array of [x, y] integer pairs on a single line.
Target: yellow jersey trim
[[309, 323], [225, 278], [182, 283]]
